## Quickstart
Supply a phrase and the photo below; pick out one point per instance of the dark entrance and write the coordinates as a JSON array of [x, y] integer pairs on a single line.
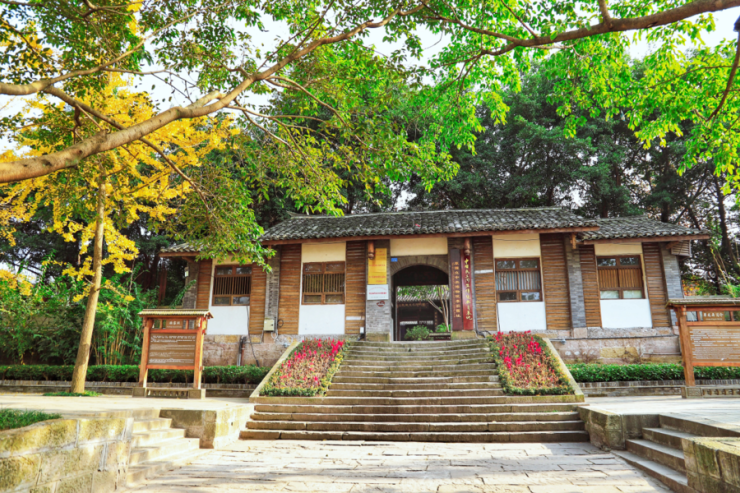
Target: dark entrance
[[410, 311]]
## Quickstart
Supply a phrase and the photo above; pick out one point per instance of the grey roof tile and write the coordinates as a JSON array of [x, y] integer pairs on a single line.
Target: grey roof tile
[[426, 222], [637, 227]]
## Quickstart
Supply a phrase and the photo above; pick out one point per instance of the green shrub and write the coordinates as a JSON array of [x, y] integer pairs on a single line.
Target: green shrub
[[443, 328], [87, 393], [249, 374], [657, 371], [417, 333], [14, 418]]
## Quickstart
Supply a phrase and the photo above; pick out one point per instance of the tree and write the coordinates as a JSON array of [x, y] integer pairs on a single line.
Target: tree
[[211, 53], [94, 201], [435, 295]]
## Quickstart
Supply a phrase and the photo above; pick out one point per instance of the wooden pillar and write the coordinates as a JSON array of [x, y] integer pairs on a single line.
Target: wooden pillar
[[684, 337], [198, 367], [148, 322]]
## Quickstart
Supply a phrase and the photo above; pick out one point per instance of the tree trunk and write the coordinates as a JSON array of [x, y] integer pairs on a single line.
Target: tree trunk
[[83, 353], [726, 242]]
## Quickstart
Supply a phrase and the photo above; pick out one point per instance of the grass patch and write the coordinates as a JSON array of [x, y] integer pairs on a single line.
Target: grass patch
[[14, 418], [87, 393]]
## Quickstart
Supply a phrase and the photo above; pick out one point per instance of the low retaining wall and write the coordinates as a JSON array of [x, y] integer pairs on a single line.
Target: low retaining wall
[[646, 387], [713, 464], [609, 430], [214, 428], [123, 388], [66, 455]]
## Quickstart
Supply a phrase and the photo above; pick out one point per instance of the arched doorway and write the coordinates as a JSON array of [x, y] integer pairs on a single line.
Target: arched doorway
[[409, 311]]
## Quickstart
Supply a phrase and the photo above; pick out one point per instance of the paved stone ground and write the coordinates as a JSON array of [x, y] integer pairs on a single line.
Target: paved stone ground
[[364, 467]]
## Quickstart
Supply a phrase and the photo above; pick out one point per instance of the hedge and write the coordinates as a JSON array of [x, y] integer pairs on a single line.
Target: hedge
[[249, 374], [659, 371]]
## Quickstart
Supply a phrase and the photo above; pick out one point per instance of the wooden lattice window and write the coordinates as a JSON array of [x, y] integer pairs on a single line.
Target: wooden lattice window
[[620, 277], [323, 283], [518, 279], [232, 285]]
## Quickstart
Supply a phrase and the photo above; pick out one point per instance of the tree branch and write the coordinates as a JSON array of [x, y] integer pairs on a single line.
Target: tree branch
[[730, 79]]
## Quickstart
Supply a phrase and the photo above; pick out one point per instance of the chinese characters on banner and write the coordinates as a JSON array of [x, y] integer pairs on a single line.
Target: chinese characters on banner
[[456, 294], [467, 292]]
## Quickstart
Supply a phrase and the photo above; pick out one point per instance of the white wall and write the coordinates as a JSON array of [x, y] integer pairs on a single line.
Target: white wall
[[521, 317], [227, 320], [321, 319], [625, 314], [516, 245], [324, 252], [418, 246]]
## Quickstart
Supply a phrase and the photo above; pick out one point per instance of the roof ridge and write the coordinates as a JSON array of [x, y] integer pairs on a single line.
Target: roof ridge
[[320, 216]]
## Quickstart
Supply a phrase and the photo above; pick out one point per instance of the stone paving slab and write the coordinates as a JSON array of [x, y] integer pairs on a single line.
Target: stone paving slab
[[393, 467]]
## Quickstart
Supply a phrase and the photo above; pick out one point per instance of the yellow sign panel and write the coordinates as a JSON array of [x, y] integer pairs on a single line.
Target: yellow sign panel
[[378, 267]]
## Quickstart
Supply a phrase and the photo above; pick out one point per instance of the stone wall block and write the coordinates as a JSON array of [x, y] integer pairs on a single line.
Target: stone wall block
[[66, 463], [16, 472], [729, 463], [77, 484], [633, 424], [105, 481], [117, 456], [58, 433], [101, 430]]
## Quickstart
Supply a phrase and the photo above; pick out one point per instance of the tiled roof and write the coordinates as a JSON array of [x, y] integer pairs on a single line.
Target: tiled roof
[[637, 227], [427, 222], [174, 312], [181, 248]]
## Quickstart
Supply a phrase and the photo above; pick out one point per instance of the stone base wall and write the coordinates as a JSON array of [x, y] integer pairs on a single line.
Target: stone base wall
[[713, 464], [215, 428], [80, 455], [220, 350]]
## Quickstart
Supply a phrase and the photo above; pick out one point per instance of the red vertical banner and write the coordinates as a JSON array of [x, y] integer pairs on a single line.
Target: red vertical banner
[[456, 289], [467, 292]]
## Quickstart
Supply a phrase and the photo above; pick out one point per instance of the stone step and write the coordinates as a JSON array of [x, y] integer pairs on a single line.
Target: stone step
[[421, 345], [154, 437], [490, 437], [485, 374], [416, 418], [141, 472], [141, 425], [416, 386], [694, 427], [338, 378], [415, 401], [658, 453], [398, 355], [419, 370], [669, 477], [419, 427], [451, 364], [664, 436], [163, 450], [453, 393], [454, 408]]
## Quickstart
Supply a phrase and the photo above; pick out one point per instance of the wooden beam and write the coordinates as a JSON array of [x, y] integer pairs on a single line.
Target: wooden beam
[[578, 229], [573, 241], [652, 239], [187, 255]]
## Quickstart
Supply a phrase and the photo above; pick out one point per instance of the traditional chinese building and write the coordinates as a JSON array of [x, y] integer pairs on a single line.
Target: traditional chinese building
[[599, 286]]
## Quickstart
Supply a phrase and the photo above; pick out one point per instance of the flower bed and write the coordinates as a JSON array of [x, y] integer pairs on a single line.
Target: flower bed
[[308, 370], [526, 365]]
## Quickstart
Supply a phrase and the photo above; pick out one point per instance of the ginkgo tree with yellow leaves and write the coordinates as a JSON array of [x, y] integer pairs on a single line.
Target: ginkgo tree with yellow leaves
[[93, 201]]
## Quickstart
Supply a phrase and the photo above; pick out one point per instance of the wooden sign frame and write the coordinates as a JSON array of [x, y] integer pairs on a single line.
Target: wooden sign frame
[[684, 328], [200, 326]]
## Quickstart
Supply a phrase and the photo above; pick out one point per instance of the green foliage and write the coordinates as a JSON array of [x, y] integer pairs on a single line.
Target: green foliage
[[15, 418], [443, 328], [249, 374], [87, 393], [417, 333], [44, 323], [583, 372]]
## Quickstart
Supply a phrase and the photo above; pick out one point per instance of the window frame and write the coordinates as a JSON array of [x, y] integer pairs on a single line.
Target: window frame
[[620, 267], [323, 273], [231, 296], [518, 268]]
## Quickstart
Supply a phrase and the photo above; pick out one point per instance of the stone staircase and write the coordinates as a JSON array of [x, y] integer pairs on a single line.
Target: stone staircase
[[660, 452], [156, 447], [416, 391]]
